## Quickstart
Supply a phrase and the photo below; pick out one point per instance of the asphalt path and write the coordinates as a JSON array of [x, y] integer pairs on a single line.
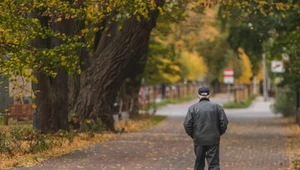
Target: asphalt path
[[254, 141]]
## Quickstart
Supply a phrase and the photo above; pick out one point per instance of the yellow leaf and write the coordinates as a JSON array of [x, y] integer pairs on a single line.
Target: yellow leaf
[[58, 19], [33, 96], [83, 31], [34, 106], [96, 29]]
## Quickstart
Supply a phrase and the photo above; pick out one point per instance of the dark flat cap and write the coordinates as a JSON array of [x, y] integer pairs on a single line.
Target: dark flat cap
[[203, 91]]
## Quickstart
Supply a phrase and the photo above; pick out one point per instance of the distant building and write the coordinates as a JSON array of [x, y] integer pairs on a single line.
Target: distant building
[[14, 90]]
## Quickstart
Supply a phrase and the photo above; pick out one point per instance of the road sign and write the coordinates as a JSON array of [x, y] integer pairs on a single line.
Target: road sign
[[277, 66], [228, 72], [228, 80], [228, 75]]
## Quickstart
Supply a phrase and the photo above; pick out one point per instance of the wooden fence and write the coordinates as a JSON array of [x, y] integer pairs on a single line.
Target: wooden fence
[[240, 92], [152, 94], [178, 91]]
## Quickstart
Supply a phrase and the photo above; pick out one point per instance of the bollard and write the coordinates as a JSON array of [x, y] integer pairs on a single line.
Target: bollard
[[116, 118], [125, 117]]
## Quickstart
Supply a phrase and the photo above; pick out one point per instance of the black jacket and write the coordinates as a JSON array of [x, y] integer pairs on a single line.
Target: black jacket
[[205, 122]]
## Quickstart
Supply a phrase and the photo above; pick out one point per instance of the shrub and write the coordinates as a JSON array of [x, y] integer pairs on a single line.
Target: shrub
[[245, 104], [92, 126], [285, 102], [24, 140]]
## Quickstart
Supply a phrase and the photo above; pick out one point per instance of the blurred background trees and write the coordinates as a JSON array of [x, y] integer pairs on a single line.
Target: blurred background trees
[[271, 28], [83, 55]]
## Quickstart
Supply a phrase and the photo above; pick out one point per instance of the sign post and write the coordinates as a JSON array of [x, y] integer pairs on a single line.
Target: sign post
[[228, 79]]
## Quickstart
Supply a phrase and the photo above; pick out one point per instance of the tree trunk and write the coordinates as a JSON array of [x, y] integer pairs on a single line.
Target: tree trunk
[[51, 97], [52, 93], [52, 101], [101, 82], [108, 33], [85, 62]]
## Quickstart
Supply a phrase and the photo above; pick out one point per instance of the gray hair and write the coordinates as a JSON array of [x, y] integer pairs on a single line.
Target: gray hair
[[203, 97]]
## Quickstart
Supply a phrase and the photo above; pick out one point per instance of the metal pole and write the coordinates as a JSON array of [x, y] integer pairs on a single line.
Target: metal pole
[[228, 90], [265, 92], [254, 85]]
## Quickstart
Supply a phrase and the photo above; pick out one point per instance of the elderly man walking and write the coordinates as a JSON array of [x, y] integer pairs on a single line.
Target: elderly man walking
[[205, 122]]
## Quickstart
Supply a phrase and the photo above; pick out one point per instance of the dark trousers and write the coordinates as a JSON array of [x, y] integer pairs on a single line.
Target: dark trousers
[[211, 153]]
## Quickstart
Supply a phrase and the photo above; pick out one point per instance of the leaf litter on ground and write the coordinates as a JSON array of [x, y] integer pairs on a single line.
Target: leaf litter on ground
[[292, 131], [80, 141]]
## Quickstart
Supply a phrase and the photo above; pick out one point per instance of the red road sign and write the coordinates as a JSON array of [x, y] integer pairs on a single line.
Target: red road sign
[[228, 72]]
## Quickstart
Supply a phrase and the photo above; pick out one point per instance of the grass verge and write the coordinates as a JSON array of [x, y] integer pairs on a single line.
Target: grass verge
[[80, 141], [170, 101], [154, 120], [245, 104]]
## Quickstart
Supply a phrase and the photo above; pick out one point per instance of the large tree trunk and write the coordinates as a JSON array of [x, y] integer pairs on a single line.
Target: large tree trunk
[[74, 79], [52, 92], [101, 82], [52, 101]]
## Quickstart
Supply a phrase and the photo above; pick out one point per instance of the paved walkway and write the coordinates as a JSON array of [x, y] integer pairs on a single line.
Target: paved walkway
[[254, 141]]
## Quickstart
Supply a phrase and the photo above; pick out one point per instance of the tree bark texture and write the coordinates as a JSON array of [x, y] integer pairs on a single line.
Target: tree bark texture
[[52, 92], [52, 102], [101, 82], [85, 61], [105, 36]]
